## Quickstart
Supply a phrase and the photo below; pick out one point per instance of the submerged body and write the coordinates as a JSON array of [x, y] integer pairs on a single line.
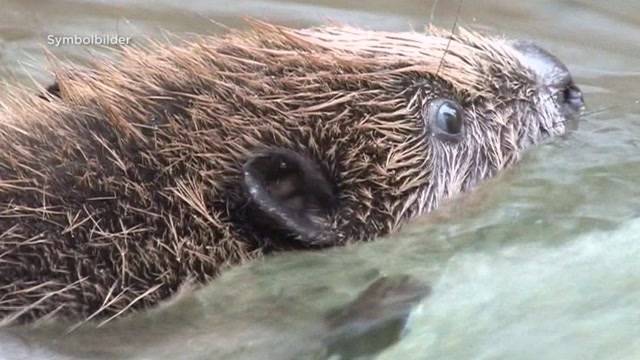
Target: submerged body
[[176, 162]]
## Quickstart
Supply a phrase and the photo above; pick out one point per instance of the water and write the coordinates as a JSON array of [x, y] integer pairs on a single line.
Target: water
[[542, 262]]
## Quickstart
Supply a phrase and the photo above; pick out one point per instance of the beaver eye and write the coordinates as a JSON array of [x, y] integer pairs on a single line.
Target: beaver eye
[[445, 117]]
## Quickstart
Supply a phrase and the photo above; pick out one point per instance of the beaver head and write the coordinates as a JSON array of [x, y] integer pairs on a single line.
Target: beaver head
[[399, 122], [178, 160]]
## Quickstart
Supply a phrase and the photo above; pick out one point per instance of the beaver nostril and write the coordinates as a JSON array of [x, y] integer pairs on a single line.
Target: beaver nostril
[[573, 97]]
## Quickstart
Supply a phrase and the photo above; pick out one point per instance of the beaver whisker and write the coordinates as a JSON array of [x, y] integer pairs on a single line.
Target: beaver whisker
[[600, 110], [433, 11], [453, 29]]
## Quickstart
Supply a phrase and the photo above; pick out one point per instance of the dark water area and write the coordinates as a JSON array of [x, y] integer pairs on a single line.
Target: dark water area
[[542, 262]]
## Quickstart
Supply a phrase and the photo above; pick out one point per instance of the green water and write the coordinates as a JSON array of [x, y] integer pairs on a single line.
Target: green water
[[542, 262]]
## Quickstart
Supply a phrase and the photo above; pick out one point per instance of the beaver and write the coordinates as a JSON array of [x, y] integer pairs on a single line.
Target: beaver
[[176, 161]]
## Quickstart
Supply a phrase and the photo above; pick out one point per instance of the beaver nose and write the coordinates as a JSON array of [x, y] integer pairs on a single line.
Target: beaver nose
[[552, 74]]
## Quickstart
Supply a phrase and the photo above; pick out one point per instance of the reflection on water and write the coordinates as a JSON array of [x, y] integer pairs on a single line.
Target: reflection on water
[[542, 262], [578, 300]]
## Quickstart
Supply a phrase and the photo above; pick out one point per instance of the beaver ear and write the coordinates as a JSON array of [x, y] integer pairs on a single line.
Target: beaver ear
[[291, 193]]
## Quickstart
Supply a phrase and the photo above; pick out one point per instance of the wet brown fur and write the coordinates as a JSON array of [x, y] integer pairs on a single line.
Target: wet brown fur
[[128, 186]]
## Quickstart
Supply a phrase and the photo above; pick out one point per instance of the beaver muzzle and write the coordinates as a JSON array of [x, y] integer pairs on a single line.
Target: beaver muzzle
[[553, 75]]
